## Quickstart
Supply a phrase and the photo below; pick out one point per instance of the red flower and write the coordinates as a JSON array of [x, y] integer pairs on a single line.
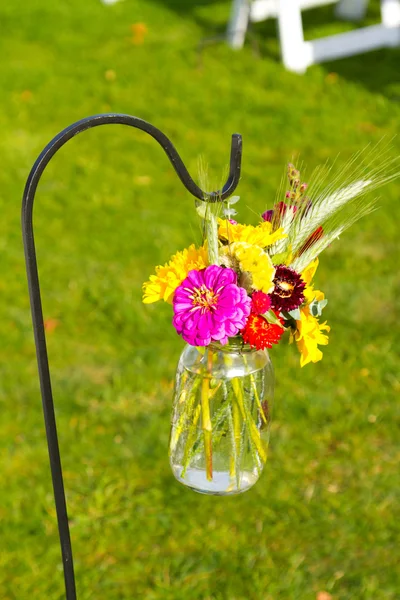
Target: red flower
[[260, 303], [260, 334]]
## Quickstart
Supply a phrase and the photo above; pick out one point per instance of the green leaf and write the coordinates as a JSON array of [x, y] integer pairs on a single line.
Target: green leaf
[[317, 307], [283, 258], [229, 213], [295, 314], [271, 317], [201, 209]]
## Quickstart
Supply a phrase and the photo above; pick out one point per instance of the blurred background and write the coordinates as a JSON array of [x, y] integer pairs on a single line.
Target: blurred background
[[323, 522]]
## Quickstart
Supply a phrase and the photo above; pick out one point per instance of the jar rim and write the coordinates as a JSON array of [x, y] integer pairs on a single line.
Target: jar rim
[[235, 344]]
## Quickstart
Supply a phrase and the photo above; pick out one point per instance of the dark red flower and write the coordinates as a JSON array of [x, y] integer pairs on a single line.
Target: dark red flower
[[260, 334], [260, 303], [288, 291]]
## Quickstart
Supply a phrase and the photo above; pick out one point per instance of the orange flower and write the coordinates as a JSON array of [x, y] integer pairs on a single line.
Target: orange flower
[[139, 31]]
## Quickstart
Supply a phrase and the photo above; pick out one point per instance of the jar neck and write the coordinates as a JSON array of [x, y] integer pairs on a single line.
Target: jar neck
[[235, 344]]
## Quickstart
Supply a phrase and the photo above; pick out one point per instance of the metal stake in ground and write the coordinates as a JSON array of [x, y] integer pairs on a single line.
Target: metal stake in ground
[[35, 298]]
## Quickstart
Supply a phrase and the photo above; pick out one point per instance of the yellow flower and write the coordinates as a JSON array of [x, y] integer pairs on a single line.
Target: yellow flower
[[260, 235], [163, 284], [309, 335], [307, 275], [254, 260], [309, 272]]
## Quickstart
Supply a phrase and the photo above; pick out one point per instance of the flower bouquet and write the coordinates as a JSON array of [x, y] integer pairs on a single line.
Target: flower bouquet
[[233, 298]]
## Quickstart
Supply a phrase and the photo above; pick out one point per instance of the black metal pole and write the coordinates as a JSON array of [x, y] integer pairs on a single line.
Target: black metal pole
[[35, 298]]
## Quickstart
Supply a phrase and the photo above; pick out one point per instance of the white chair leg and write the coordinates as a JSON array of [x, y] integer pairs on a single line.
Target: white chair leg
[[261, 10], [294, 52], [351, 10], [390, 11], [238, 23]]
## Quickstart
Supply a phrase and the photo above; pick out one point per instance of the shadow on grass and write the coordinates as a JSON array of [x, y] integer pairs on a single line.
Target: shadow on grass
[[185, 7], [377, 71]]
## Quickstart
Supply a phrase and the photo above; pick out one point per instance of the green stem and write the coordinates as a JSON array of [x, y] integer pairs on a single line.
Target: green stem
[[257, 397], [191, 439], [255, 391], [195, 443], [211, 226], [237, 434], [188, 397], [247, 417], [205, 417]]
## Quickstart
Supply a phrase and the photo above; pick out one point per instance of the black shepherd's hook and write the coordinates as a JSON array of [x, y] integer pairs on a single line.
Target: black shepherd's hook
[[34, 288]]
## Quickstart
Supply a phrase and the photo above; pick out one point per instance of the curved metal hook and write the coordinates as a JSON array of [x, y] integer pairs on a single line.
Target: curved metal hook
[[159, 136], [34, 288]]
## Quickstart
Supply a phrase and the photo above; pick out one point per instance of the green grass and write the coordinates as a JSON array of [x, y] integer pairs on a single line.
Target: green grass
[[325, 515]]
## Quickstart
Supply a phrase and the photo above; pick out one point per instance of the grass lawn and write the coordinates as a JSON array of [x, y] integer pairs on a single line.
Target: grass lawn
[[325, 516]]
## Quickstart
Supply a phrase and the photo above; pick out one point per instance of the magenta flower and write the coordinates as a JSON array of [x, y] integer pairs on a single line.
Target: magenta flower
[[268, 215], [209, 306], [280, 209]]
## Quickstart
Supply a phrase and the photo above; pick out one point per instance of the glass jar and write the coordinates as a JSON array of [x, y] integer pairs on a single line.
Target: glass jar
[[221, 417]]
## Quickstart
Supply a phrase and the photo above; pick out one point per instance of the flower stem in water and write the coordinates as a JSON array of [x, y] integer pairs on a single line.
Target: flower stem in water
[[247, 417], [205, 417], [237, 434]]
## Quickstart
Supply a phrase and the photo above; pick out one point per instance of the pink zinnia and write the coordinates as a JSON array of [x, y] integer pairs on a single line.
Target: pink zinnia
[[209, 306]]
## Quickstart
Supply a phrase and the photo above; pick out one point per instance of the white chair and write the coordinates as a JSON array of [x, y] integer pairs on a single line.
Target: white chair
[[298, 54]]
